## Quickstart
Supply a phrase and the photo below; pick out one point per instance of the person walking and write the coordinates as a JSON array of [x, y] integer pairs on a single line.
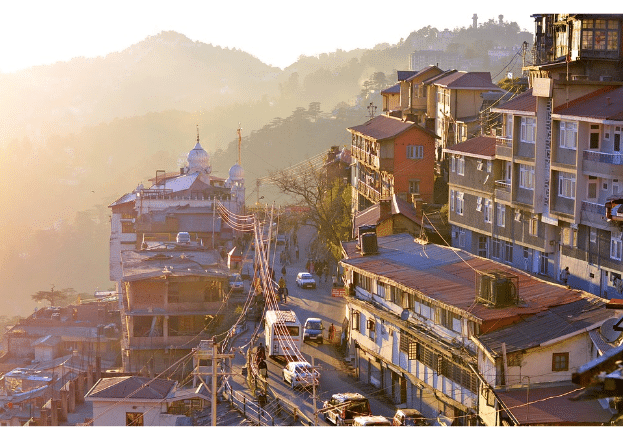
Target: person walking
[[564, 276], [282, 289], [331, 332]]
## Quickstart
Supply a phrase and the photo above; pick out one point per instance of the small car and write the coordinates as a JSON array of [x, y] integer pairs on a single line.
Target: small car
[[305, 280], [301, 374], [236, 283], [371, 420], [313, 330], [342, 408], [409, 417], [183, 237]]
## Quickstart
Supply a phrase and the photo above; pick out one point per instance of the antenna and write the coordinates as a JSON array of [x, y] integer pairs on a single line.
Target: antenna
[[239, 142], [371, 110]]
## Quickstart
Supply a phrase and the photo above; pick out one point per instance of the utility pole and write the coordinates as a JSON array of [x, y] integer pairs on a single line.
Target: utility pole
[[314, 367]]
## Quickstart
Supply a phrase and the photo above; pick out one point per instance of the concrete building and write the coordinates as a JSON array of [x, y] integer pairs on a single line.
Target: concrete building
[[186, 201], [436, 327]]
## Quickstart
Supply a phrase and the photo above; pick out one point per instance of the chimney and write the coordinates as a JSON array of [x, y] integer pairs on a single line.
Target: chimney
[[418, 204], [385, 209]]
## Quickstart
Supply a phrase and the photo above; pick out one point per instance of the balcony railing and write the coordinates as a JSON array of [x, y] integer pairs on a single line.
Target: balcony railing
[[503, 146], [593, 207], [366, 157], [602, 164], [503, 190], [368, 192]]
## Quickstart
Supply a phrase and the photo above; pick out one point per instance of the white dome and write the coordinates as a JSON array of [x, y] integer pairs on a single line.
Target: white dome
[[236, 173], [198, 159]]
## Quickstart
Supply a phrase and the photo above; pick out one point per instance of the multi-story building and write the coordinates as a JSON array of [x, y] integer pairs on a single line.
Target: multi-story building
[[168, 300], [554, 165], [444, 331], [391, 156], [185, 201]]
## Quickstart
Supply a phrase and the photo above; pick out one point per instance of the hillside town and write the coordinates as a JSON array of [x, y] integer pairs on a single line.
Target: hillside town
[[459, 263]]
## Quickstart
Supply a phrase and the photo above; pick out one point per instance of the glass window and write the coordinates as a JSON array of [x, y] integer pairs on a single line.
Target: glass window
[[560, 362], [566, 185], [528, 130], [496, 248], [414, 186], [460, 165], [526, 177], [501, 218], [508, 251], [568, 135], [459, 202], [600, 34], [488, 211], [615, 245], [451, 200], [415, 151]]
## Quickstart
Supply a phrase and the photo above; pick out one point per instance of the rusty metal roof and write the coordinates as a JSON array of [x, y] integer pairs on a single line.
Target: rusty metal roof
[[522, 102], [138, 388], [139, 265], [384, 127], [448, 275], [479, 146], [468, 80], [605, 103]]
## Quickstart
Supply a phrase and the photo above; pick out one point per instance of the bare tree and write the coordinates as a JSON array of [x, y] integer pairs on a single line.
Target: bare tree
[[326, 195]]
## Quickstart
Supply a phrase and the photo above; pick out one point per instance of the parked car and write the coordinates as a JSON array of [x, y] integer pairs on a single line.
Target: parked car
[[305, 280], [236, 283], [371, 420], [301, 374], [313, 330], [342, 408], [409, 417], [183, 237]]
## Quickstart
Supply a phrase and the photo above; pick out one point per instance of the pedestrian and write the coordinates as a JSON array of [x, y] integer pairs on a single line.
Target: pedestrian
[[296, 249], [282, 289], [260, 353], [564, 276], [331, 332], [283, 270]]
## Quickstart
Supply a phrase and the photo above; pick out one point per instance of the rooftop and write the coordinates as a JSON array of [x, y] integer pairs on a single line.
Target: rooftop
[[138, 265], [385, 127], [131, 388], [479, 146]]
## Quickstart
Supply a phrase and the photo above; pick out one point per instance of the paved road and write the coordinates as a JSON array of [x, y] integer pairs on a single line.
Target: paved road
[[335, 375]]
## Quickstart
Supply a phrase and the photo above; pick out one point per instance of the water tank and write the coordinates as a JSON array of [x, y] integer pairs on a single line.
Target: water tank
[[369, 244]]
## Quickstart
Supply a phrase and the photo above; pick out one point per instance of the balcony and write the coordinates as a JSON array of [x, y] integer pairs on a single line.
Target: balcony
[[368, 192], [369, 159], [605, 165], [503, 190], [593, 213], [504, 147]]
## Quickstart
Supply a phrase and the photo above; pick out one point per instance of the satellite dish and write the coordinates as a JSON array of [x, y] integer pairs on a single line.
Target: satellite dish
[[607, 330], [404, 315]]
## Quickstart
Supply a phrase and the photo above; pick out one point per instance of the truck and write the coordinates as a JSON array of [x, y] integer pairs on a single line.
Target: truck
[[283, 333]]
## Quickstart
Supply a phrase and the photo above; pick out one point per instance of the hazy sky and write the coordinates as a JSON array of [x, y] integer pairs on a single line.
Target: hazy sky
[[276, 31]]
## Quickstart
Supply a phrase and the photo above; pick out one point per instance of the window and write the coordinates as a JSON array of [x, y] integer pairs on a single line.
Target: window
[[508, 251], [452, 164], [459, 202], [568, 135], [528, 130], [566, 185], [592, 187], [496, 248], [508, 128], [461, 238], [371, 326], [415, 151], [479, 204], [380, 289], [356, 318], [617, 139], [600, 34], [526, 177], [501, 217], [489, 166], [134, 419], [560, 362], [364, 282], [593, 235], [615, 245], [460, 165], [451, 200], [533, 226], [414, 186], [488, 212], [482, 246], [517, 215], [594, 138]]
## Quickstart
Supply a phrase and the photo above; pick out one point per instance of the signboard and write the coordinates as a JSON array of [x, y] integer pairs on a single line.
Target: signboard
[[542, 87], [338, 292]]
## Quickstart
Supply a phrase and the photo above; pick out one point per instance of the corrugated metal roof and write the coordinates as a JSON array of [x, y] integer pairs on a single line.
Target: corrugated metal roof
[[404, 75], [522, 102], [382, 127], [448, 275], [551, 406], [468, 80], [137, 265], [135, 388], [482, 146], [424, 71], [372, 215], [605, 103], [392, 89]]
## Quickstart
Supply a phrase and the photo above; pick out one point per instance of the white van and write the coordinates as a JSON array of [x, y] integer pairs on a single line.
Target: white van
[[283, 333]]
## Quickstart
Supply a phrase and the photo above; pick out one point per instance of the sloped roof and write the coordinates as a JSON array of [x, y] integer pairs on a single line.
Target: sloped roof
[[552, 406], [479, 146], [404, 75], [468, 80], [372, 215], [424, 71], [139, 388], [605, 104], [522, 102], [448, 275], [392, 89], [385, 127]]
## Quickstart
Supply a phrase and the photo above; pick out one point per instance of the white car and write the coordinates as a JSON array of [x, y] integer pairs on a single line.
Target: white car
[[305, 280], [300, 374], [183, 237], [235, 283]]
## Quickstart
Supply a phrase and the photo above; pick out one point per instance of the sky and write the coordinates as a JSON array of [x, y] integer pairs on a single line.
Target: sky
[[275, 31]]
